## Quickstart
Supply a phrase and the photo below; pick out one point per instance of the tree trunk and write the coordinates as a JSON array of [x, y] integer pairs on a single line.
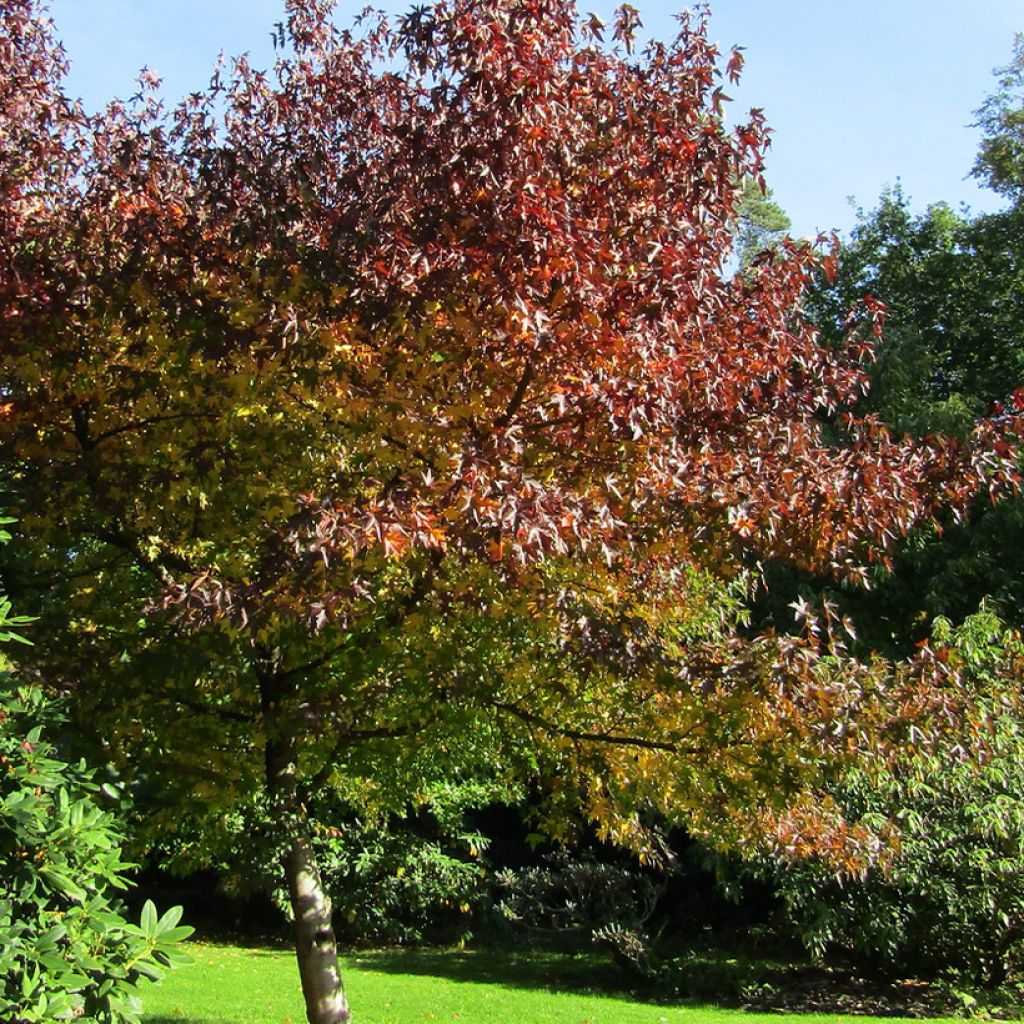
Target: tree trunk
[[315, 946]]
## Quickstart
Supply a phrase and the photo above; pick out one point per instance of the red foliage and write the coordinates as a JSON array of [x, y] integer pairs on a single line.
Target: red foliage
[[455, 289]]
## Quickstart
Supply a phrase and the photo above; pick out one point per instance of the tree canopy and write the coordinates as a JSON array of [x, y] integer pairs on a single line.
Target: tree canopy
[[407, 391], [952, 286], [1000, 162]]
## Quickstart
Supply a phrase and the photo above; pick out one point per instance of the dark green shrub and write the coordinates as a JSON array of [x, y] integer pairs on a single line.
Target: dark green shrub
[[952, 901], [578, 898], [66, 950]]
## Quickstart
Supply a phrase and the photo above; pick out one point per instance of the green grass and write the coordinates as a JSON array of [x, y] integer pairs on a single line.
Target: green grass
[[234, 985]]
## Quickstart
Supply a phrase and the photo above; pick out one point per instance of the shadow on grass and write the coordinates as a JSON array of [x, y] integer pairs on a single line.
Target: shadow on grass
[[533, 969], [265, 942], [715, 978], [189, 1020]]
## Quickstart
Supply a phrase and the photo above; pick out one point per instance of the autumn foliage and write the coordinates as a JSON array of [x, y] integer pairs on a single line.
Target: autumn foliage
[[414, 380]]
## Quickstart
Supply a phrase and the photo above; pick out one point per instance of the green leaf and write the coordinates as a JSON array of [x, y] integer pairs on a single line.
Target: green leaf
[[170, 918], [150, 969], [60, 1004], [148, 920], [63, 883], [176, 934]]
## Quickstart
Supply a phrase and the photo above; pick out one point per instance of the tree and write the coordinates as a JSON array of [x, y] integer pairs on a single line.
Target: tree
[[953, 287], [1000, 162], [761, 222], [408, 389]]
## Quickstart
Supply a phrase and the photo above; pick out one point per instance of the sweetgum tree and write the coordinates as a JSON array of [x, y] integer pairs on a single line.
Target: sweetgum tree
[[407, 389]]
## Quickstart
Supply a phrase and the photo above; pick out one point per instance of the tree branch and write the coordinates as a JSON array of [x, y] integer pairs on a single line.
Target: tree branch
[[348, 739], [160, 565], [517, 398], [316, 663], [590, 737], [17, 585], [147, 422], [225, 714]]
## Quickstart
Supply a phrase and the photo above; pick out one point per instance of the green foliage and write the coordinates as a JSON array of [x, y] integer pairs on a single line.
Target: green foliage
[[397, 876], [953, 287], [9, 622], [399, 885], [951, 573], [66, 948], [953, 897], [1000, 162], [760, 222], [580, 898]]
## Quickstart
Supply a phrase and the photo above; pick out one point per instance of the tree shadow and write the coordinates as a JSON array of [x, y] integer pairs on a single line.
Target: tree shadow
[[188, 1020], [589, 974], [707, 978]]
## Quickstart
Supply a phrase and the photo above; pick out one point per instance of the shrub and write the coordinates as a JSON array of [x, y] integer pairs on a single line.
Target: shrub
[[66, 950], [953, 899], [579, 897]]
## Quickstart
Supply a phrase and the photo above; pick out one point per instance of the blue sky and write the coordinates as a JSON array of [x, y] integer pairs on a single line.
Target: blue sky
[[859, 93]]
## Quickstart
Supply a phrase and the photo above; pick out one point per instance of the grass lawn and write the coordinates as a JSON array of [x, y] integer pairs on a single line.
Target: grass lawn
[[235, 985]]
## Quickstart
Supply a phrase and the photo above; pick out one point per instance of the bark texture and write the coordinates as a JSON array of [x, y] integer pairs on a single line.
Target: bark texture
[[315, 946]]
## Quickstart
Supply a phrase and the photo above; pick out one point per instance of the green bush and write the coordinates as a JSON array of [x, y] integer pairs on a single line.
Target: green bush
[[952, 901], [574, 898], [66, 950]]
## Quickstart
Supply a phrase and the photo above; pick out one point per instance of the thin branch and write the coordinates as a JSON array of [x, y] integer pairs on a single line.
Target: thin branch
[[348, 739], [147, 422], [117, 537], [536, 426], [160, 565], [590, 737], [50, 581], [225, 714], [517, 398], [316, 663], [403, 446]]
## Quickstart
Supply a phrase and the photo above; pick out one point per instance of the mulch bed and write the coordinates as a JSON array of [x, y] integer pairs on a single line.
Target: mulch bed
[[842, 991]]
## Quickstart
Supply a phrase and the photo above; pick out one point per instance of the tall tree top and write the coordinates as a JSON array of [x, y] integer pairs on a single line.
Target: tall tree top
[[1000, 162]]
